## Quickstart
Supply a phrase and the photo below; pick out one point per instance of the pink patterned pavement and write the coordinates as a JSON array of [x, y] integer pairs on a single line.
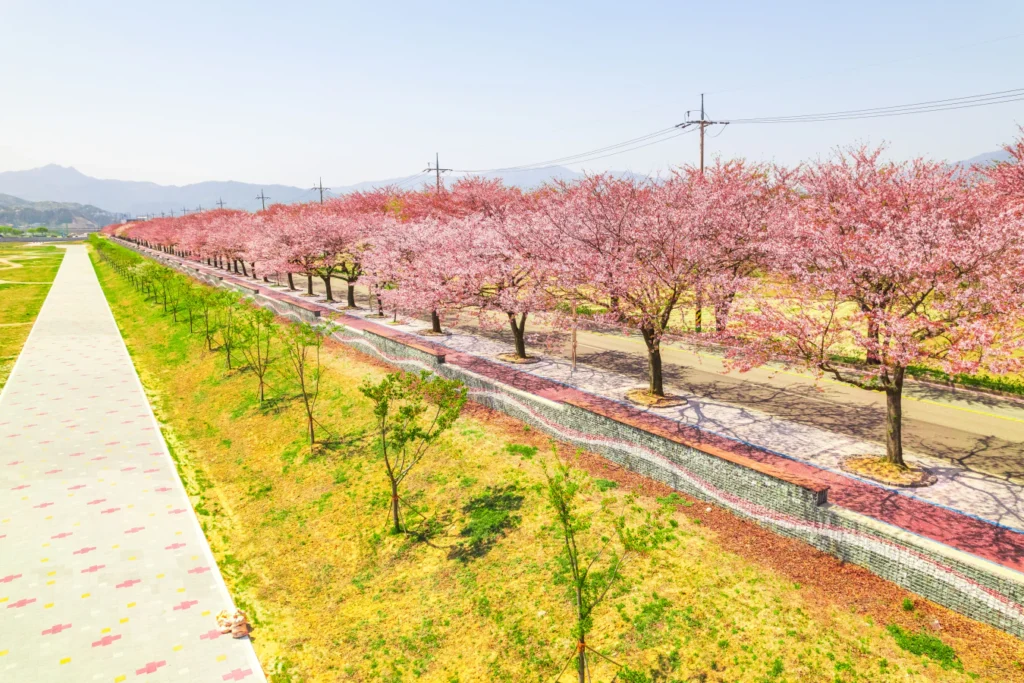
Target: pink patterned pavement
[[105, 574]]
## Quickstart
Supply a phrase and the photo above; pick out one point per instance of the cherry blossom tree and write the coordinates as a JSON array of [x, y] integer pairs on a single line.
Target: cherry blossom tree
[[624, 248], [357, 226], [420, 264], [906, 263], [296, 247], [508, 272], [735, 210], [1008, 176]]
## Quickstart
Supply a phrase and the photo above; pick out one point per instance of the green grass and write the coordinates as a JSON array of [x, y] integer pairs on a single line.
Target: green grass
[[926, 645], [13, 337], [302, 537], [20, 303]]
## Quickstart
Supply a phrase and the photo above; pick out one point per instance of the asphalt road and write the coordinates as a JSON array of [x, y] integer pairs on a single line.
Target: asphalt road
[[977, 431]]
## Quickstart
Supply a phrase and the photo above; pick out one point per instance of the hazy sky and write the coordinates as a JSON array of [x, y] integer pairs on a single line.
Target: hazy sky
[[183, 91]]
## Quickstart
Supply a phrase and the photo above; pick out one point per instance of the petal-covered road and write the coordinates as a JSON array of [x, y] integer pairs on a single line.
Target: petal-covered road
[[105, 574]]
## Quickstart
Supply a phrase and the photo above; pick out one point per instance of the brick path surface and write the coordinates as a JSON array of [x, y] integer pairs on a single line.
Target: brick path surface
[[105, 574]]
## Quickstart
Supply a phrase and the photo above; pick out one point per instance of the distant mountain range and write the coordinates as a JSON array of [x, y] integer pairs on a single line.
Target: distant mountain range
[[130, 197], [987, 158], [21, 213], [59, 183]]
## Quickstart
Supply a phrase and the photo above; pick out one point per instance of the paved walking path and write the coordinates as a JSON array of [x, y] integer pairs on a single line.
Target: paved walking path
[[104, 572]]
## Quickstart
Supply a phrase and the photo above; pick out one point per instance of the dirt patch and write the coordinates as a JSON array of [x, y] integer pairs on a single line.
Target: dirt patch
[[644, 398], [878, 469], [513, 358]]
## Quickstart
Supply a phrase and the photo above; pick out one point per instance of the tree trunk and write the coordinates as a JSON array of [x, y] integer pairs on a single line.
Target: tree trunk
[[435, 322], [894, 418], [518, 333], [657, 385], [312, 434], [394, 508], [351, 295], [722, 309], [380, 306], [698, 314], [252, 267], [309, 284], [873, 358], [327, 286], [244, 272], [291, 282], [581, 646]]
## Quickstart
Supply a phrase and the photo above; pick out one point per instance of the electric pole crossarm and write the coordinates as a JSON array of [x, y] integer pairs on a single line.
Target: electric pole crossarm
[[437, 170], [263, 199], [320, 186], [703, 122]]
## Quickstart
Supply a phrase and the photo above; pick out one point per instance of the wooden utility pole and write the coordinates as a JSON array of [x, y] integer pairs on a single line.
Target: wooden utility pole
[[263, 198], [220, 202], [183, 211], [320, 186], [703, 122], [437, 170]]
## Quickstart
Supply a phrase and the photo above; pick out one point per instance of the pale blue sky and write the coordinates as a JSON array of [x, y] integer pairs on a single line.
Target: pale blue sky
[[185, 91]]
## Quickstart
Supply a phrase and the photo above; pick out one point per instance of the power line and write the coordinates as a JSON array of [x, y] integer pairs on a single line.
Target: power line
[[968, 101], [411, 180], [573, 157], [663, 135]]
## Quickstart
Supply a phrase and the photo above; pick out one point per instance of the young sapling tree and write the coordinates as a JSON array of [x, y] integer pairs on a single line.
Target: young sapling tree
[[229, 310], [411, 412], [255, 332], [592, 559], [302, 344]]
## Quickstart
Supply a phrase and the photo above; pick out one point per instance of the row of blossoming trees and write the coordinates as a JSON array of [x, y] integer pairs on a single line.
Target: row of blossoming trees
[[886, 265]]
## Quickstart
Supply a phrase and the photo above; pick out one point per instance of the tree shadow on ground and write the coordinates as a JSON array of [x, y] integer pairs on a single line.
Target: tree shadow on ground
[[340, 444], [490, 517]]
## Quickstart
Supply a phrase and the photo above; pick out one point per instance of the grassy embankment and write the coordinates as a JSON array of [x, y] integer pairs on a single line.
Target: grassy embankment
[[25, 277], [303, 541]]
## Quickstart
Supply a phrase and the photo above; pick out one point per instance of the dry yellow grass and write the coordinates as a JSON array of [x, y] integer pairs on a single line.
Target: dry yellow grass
[[303, 540]]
